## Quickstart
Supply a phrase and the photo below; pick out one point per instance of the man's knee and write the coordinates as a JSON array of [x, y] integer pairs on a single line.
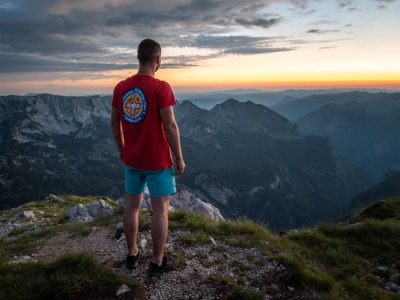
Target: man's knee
[[160, 204], [133, 202]]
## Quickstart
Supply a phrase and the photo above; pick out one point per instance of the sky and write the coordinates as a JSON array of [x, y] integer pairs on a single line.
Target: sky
[[77, 47]]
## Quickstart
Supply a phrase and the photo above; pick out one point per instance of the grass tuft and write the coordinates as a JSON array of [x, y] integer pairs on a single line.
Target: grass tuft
[[72, 276]]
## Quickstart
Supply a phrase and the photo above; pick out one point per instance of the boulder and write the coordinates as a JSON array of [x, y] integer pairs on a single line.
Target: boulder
[[81, 213], [55, 198], [187, 201], [27, 214], [122, 290], [99, 208], [184, 200], [78, 214]]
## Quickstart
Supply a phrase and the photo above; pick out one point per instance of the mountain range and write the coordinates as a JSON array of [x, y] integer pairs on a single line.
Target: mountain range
[[243, 157]]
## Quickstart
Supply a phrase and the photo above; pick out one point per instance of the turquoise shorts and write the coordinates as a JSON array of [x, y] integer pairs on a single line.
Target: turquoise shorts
[[159, 182]]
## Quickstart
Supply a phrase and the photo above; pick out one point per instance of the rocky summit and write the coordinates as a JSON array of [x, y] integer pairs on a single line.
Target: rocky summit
[[70, 247]]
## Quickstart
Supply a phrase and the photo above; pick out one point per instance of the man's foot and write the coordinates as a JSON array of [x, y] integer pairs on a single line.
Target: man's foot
[[169, 263], [132, 261]]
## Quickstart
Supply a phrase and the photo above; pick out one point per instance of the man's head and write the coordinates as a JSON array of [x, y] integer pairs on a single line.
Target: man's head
[[149, 53]]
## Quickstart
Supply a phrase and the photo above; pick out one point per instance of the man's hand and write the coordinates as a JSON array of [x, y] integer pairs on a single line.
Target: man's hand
[[172, 134], [180, 166]]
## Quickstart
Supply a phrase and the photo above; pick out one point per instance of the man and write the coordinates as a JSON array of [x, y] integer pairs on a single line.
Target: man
[[142, 110]]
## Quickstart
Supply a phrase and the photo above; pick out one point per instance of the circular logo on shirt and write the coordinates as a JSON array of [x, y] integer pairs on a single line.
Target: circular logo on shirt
[[134, 105]]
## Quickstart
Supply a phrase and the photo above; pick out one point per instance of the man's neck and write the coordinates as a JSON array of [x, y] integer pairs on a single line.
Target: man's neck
[[146, 70]]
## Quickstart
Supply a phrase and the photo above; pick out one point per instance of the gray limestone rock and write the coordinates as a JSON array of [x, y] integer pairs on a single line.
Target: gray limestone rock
[[85, 213], [184, 200], [26, 214]]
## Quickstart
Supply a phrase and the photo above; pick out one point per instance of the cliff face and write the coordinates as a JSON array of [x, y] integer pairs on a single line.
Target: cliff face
[[54, 144]]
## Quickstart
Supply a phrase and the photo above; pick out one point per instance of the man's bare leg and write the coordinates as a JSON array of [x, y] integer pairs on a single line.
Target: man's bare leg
[[131, 221], [159, 226]]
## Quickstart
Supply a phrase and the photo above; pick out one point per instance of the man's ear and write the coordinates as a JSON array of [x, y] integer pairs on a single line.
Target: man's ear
[[158, 61]]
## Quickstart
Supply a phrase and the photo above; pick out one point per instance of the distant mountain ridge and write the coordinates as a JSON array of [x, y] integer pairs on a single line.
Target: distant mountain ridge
[[365, 132], [388, 187]]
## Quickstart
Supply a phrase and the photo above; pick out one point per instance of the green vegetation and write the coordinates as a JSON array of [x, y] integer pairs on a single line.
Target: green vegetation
[[232, 291], [340, 261], [346, 257], [53, 209], [245, 233], [72, 276], [25, 243], [382, 210]]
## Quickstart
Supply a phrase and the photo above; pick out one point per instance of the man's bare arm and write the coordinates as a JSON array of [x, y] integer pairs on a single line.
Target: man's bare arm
[[117, 130], [172, 134]]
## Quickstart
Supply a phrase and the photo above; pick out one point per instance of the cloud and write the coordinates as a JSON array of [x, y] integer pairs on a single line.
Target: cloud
[[264, 23], [81, 35], [25, 63], [320, 31], [243, 45], [102, 35], [256, 50], [382, 4]]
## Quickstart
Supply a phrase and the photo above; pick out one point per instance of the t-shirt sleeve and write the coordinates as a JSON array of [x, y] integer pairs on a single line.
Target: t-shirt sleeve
[[115, 98], [165, 95]]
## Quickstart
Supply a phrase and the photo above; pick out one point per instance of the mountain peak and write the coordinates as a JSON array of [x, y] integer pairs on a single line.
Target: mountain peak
[[248, 115]]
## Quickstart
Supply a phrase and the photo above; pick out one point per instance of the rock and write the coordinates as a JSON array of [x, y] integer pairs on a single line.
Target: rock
[[27, 214], [54, 197], [393, 287], [123, 289], [99, 208], [274, 286], [383, 268], [213, 241], [78, 214], [119, 230], [183, 200], [142, 244], [353, 226], [395, 277], [187, 201], [290, 288], [122, 238], [81, 213], [121, 203]]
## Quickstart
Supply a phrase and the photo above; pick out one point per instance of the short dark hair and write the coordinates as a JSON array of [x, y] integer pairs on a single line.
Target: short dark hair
[[147, 51]]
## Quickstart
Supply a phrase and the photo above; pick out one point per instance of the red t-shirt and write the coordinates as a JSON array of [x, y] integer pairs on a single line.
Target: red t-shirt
[[139, 99]]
